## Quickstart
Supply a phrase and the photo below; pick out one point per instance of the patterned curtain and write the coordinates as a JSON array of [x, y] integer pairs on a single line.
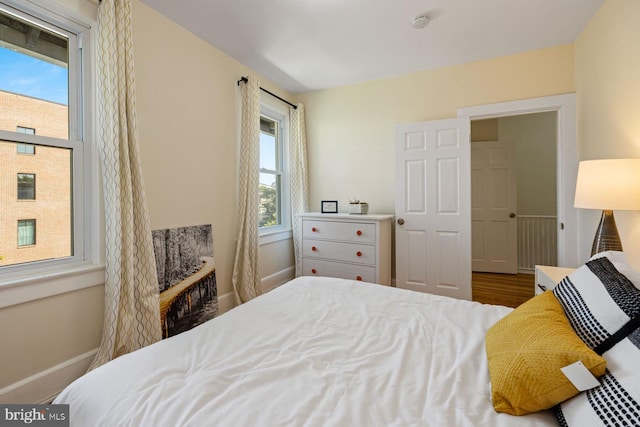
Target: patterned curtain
[[132, 310], [299, 179], [246, 275]]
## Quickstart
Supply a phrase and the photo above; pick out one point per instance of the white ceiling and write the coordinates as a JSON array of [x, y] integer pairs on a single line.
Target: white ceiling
[[305, 45]]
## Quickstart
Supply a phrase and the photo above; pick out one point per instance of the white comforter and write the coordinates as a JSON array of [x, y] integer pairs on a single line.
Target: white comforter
[[313, 352]]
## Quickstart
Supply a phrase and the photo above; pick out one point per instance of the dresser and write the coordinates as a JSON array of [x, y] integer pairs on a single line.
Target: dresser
[[547, 277], [354, 247]]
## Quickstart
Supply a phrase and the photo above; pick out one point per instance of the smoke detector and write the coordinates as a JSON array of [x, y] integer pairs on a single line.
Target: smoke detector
[[420, 21]]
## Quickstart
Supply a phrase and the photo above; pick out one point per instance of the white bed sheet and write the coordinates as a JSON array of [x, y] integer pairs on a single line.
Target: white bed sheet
[[313, 352]]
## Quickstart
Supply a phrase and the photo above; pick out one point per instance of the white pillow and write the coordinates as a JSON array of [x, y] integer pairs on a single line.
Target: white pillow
[[617, 400]]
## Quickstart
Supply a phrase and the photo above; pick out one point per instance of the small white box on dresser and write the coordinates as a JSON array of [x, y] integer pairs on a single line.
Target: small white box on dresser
[[547, 277], [359, 208], [348, 246]]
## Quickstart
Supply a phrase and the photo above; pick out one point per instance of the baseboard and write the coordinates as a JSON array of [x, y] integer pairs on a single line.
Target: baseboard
[[225, 302], [278, 278], [44, 386]]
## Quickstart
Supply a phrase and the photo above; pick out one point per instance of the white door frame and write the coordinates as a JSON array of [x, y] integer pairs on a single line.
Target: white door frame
[[566, 159]]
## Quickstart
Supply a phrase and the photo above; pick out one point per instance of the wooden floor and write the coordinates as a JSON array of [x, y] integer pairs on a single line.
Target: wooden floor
[[510, 290]]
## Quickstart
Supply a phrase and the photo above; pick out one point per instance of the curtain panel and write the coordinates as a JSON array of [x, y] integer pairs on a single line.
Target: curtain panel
[[299, 178], [246, 274], [132, 310]]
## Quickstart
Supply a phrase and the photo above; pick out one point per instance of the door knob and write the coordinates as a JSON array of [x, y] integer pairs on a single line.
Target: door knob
[[512, 215], [400, 221]]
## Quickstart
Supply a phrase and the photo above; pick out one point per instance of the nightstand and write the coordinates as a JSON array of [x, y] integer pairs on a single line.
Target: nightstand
[[547, 277]]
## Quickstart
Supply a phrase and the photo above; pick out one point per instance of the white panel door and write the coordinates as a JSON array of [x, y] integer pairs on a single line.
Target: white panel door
[[433, 207], [494, 227]]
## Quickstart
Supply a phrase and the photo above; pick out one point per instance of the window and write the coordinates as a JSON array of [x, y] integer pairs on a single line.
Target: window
[[28, 131], [26, 149], [270, 172], [48, 49], [274, 218], [26, 186], [26, 232]]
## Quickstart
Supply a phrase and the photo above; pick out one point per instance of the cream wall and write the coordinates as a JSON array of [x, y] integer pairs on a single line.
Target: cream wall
[[187, 114], [351, 130], [188, 127], [534, 137], [607, 61], [40, 334]]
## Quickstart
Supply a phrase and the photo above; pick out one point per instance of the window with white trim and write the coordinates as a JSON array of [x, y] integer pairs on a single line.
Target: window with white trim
[[47, 51], [274, 186]]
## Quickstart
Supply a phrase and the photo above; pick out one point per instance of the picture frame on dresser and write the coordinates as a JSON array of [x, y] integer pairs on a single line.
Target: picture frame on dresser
[[329, 206]]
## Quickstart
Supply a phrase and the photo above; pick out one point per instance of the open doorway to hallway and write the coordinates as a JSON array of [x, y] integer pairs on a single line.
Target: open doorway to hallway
[[514, 201]]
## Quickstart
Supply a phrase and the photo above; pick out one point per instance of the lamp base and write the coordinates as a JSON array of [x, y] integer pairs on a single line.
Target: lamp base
[[607, 237]]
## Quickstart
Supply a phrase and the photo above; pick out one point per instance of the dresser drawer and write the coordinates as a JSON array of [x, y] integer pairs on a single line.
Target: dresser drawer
[[349, 252], [338, 230], [319, 267]]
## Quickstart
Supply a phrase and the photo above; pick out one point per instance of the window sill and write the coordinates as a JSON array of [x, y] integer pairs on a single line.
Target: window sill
[[273, 236], [19, 290]]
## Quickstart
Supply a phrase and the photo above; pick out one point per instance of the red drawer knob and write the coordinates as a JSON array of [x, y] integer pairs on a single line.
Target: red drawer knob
[[359, 233], [314, 229], [359, 278], [313, 248], [313, 270], [359, 253]]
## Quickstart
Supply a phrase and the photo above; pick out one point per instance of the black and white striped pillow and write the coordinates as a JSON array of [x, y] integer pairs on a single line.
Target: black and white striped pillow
[[603, 307], [598, 301], [616, 402]]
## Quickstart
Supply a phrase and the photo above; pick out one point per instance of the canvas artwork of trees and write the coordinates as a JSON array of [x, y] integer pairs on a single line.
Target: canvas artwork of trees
[[186, 277]]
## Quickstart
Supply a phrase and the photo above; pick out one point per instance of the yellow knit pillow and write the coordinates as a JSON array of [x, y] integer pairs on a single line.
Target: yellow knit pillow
[[526, 350]]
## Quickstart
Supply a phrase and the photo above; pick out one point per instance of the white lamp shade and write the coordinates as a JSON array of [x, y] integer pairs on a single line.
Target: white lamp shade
[[611, 184]]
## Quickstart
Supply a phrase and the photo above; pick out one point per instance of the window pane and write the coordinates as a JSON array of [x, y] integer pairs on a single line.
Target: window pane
[[34, 83], [269, 200], [26, 186], [27, 131], [26, 149], [268, 144], [51, 208], [270, 172], [26, 232]]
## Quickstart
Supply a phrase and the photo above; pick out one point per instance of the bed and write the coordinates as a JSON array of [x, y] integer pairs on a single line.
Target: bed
[[313, 352]]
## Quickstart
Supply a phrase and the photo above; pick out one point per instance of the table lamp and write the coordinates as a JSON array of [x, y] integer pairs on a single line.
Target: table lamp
[[610, 184]]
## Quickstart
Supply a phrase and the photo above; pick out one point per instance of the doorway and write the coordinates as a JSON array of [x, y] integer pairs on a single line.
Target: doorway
[[566, 161], [447, 194], [514, 193]]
